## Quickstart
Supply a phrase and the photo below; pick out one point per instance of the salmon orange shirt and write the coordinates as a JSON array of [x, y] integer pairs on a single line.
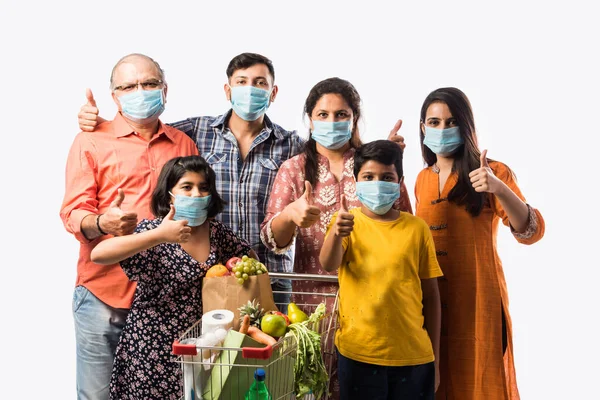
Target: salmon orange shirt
[[99, 163]]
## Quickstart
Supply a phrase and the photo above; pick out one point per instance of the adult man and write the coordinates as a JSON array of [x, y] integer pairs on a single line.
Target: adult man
[[110, 176], [245, 149]]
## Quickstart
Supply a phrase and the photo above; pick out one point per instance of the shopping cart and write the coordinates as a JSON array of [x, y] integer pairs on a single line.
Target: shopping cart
[[226, 372]]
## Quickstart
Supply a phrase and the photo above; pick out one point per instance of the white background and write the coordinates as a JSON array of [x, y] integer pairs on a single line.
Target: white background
[[529, 68]]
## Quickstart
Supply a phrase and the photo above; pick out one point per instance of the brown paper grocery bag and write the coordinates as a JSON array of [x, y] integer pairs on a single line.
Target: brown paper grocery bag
[[225, 293]]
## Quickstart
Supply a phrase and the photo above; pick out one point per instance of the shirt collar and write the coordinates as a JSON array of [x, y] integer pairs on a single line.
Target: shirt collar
[[221, 121], [122, 128]]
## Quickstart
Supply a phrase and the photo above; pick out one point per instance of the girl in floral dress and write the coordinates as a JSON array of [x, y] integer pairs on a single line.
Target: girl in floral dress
[[167, 257]]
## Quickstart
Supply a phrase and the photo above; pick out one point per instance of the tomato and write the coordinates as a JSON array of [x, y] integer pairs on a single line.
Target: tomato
[[287, 319], [231, 262]]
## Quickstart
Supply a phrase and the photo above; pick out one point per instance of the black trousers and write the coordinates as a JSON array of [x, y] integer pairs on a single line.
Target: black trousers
[[360, 381]]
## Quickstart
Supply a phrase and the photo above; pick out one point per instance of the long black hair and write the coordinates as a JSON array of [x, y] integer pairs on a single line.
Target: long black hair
[[466, 158], [351, 96], [172, 172]]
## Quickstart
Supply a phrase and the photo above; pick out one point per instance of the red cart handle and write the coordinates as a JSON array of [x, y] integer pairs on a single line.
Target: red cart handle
[[184, 349], [259, 353]]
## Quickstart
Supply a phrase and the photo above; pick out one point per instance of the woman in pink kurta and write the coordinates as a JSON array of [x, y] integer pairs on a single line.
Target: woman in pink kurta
[[310, 187]]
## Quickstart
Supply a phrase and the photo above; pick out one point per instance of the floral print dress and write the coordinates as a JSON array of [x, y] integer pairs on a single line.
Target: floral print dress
[[167, 301]]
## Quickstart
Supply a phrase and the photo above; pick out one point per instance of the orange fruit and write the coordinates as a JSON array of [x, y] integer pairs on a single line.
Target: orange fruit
[[217, 270]]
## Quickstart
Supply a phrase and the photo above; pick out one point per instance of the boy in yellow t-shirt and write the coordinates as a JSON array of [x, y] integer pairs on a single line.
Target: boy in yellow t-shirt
[[389, 306]]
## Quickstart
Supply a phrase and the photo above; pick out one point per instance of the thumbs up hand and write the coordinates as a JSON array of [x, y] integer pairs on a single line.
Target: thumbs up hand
[[117, 222], [395, 137], [88, 114], [303, 212], [483, 178], [344, 224], [174, 231]]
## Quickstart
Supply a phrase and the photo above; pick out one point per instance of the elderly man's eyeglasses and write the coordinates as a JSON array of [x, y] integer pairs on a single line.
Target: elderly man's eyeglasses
[[131, 87]]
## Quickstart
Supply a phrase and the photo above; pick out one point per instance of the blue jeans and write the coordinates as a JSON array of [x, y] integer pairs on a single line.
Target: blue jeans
[[282, 299], [359, 381], [97, 330]]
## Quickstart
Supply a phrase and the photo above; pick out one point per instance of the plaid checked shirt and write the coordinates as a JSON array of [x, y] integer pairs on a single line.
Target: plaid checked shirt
[[245, 185]]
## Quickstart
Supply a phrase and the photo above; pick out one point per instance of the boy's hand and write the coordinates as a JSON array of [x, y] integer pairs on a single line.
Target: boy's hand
[[344, 224], [174, 231], [303, 213]]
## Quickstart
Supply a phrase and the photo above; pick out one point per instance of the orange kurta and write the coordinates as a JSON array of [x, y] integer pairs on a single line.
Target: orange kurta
[[473, 289]]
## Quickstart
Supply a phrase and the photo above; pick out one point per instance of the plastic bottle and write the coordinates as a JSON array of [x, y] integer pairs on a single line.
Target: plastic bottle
[[258, 390]]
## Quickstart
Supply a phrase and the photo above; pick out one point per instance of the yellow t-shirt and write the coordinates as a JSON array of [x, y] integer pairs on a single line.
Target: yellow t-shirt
[[380, 304]]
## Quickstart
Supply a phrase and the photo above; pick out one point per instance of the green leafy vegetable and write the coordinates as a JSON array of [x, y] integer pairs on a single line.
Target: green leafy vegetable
[[309, 370]]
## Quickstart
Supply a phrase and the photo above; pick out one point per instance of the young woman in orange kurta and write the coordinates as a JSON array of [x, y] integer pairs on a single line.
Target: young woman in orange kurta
[[463, 196]]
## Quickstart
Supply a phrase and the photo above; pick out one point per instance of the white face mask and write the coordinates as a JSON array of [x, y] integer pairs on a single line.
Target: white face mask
[[332, 135], [443, 141], [378, 196], [143, 106], [249, 102], [192, 209]]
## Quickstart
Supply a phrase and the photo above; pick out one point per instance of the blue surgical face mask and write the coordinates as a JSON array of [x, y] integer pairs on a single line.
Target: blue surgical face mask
[[194, 209], [443, 142], [143, 106], [249, 102], [332, 135], [378, 196]]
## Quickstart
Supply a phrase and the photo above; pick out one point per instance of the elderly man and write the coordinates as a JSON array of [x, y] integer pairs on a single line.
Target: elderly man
[[110, 176]]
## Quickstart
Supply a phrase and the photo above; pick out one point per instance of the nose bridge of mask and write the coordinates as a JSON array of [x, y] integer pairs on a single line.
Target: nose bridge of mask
[[332, 126], [248, 93], [379, 187], [444, 135]]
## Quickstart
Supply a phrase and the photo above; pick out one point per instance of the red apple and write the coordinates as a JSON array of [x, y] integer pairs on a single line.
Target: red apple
[[287, 319], [231, 263]]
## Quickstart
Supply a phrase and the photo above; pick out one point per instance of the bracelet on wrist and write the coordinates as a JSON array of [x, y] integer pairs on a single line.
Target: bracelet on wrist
[[98, 224]]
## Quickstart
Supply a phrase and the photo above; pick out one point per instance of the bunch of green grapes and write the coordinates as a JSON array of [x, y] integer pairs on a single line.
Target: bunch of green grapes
[[247, 268]]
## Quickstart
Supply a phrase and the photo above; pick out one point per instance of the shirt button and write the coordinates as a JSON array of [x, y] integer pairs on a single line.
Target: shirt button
[[241, 180], [241, 204]]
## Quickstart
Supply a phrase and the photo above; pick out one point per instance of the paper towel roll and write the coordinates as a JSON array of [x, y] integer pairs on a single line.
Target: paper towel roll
[[215, 319]]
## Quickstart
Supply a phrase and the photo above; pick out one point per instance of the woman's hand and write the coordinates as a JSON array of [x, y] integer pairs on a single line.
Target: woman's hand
[[301, 211], [483, 178]]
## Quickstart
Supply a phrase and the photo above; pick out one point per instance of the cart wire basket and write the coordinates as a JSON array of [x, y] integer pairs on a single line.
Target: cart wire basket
[[226, 372]]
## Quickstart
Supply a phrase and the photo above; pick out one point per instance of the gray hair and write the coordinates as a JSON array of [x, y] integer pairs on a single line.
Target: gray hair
[[132, 55]]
